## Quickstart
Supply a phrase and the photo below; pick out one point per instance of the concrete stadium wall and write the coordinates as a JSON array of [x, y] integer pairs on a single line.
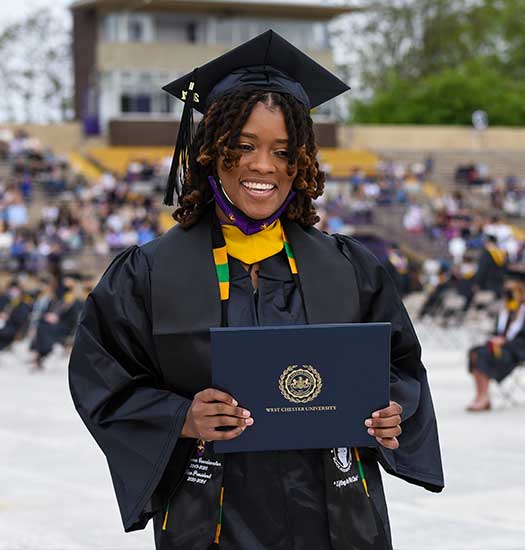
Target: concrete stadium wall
[[430, 138], [381, 138], [62, 138], [116, 56]]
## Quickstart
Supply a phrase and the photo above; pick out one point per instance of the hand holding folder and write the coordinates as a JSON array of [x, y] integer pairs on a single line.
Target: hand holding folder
[[307, 387]]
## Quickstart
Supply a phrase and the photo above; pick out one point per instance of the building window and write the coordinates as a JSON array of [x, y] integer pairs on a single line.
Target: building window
[[135, 30], [181, 28], [226, 31], [127, 27], [135, 103], [110, 28]]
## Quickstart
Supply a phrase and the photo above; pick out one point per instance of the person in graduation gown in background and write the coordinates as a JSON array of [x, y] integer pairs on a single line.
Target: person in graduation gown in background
[[244, 253], [505, 349], [491, 267], [15, 315], [58, 322]]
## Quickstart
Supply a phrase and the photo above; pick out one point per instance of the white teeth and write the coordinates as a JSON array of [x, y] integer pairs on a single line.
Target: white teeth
[[257, 186]]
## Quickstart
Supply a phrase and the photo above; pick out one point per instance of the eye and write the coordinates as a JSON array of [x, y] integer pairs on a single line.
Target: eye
[[282, 153], [245, 147]]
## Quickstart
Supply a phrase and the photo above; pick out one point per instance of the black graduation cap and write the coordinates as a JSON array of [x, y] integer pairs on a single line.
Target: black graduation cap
[[267, 62]]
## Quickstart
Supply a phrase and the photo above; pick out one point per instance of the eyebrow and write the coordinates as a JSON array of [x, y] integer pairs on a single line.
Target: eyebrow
[[253, 136]]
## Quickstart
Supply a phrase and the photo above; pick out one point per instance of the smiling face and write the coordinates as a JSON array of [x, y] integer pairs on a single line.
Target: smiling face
[[260, 182]]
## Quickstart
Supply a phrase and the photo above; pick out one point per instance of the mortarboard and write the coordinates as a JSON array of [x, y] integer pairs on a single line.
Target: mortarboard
[[267, 62]]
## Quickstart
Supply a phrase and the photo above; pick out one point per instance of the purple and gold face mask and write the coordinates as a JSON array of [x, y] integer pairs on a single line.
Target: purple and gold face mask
[[247, 225]]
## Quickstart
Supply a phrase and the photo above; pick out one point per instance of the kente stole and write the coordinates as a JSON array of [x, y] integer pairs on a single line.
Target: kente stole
[[220, 256]]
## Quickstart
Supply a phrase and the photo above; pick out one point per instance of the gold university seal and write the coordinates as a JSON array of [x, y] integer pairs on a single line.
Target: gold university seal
[[300, 384]]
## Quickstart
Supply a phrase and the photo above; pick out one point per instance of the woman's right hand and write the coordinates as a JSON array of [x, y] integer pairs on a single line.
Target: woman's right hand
[[211, 409]]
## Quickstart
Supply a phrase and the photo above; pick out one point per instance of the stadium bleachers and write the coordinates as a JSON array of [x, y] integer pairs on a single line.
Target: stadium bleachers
[[83, 166], [341, 162], [117, 159]]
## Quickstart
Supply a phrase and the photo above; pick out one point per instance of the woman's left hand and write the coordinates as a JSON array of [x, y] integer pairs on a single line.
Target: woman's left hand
[[498, 340], [385, 425]]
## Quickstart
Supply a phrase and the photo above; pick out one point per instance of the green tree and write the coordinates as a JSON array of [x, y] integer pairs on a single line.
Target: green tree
[[447, 97], [435, 61], [35, 69]]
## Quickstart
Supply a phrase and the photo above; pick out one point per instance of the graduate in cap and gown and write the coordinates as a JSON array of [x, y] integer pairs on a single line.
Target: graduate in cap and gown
[[58, 321], [491, 267], [505, 349], [244, 253]]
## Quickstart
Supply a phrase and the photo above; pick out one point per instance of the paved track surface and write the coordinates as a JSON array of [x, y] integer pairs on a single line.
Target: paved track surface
[[56, 493]]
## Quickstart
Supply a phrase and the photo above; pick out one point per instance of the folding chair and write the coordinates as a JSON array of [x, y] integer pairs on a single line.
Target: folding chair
[[512, 388]]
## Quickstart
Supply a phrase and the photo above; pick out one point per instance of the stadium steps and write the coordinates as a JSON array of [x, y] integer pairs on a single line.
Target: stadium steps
[[5, 170], [388, 223], [117, 159], [500, 163], [84, 166]]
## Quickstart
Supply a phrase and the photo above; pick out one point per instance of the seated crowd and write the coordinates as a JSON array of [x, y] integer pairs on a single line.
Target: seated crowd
[[80, 217], [74, 216], [44, 311]]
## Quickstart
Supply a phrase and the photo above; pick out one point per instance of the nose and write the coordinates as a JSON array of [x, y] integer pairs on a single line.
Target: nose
[[262, 162]]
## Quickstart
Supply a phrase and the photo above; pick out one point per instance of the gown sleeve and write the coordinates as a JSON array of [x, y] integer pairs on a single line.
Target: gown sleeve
[[418, 458], [118, 390]]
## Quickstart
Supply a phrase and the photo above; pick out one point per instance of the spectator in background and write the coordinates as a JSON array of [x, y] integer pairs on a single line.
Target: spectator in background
[[498, 357], [145, 233], [25, 186], [434, 300], [491, 267], [429, 166], [58, 322], [413, 220], [397, 266], [15, 316], [6, 241], [16, 212], [457, 247]]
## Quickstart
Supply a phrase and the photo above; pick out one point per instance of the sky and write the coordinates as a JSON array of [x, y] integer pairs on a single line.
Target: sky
[[11, 10]]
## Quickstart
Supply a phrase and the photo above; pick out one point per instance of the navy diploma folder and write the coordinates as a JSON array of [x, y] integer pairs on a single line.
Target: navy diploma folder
[[307, 387]]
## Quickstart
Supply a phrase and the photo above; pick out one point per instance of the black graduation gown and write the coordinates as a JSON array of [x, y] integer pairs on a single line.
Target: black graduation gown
[[15, 323], [4, 301], [48, 334], [512, 354], [142, 350], [489, 275], [272, 500]]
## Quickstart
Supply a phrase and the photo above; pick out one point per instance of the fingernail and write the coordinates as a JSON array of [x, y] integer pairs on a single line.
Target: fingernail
[[368, 422], [375, 415], [246, 413], [370, 431], [234, 403], [249, 421]]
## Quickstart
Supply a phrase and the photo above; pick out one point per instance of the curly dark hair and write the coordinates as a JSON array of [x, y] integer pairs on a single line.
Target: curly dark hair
[[217, 137]]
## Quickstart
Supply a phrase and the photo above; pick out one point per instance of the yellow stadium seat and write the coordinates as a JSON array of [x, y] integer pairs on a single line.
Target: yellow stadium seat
[[84, 166], [342, 162], [166, 220], [117, 159]]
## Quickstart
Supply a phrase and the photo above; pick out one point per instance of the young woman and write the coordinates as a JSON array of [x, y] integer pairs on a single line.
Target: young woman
[[505, 350], [244, 252]]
